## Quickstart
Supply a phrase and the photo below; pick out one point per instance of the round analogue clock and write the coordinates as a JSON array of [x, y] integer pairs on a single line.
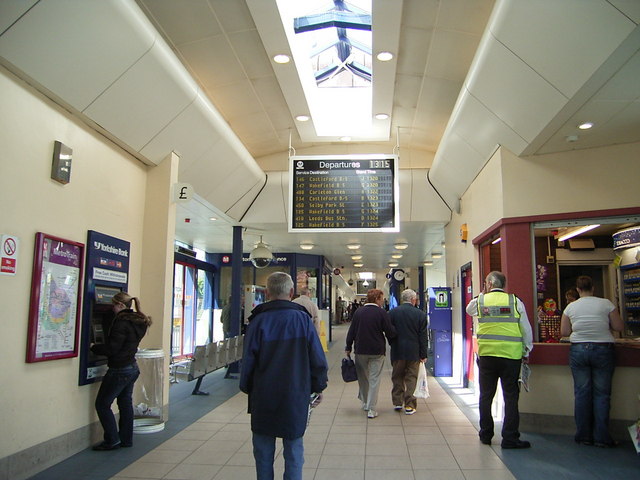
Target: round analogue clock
[[398, 275]]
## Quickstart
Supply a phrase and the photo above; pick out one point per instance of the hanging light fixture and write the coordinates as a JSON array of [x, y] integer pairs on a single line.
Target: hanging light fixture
[[261, 256]]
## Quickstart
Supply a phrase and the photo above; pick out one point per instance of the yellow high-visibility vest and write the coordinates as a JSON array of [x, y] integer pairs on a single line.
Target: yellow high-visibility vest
[[499, 326]]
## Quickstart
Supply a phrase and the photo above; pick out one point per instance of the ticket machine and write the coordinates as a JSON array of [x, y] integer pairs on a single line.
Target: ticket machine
[[439, 313]]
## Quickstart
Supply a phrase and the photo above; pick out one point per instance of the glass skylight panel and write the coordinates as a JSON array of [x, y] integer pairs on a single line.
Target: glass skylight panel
[[332, 53]]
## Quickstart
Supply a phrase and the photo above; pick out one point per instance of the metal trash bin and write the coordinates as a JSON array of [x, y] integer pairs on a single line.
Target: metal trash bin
[[148, 392]]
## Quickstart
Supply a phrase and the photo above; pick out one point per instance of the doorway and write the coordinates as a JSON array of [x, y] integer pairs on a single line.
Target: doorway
[[468, 346]]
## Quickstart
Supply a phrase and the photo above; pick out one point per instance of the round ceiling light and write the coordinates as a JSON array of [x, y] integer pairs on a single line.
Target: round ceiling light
[[428, 263], [281, 58], [353, 246], [384, 56], [306, 246], [396, 255], [381, 116], [358, 265], [303, 118], [393, 264], [401, 246], [585, 125], [356, 257]]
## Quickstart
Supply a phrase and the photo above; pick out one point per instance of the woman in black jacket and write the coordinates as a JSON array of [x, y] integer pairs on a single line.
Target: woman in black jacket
[[126, 331]]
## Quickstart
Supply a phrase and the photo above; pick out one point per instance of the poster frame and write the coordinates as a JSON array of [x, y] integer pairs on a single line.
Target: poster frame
[[35, 321]]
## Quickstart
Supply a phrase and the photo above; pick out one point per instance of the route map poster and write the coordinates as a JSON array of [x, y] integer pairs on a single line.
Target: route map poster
[[55, 298], [346, 193]]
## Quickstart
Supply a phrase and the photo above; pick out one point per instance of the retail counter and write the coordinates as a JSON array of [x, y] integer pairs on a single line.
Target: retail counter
[[627, 353]]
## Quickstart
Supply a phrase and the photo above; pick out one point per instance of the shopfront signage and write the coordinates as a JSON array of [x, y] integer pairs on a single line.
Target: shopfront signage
[[627, 238]]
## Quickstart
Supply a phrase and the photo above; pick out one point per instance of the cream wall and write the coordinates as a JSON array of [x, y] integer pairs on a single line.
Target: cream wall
[[510, 186], [580, 180], [107, 193]]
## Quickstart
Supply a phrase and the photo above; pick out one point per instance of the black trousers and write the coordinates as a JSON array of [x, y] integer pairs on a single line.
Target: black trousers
[[507, 371]]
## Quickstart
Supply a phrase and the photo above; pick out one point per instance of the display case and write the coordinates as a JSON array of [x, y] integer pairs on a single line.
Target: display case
[[630, 298], [548, 328]]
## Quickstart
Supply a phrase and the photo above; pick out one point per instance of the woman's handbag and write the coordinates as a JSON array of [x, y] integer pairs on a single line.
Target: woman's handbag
[[422, 389], [349, 369]]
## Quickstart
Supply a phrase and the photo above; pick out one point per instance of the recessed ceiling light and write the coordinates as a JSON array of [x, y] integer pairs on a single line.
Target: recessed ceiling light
[[393, 264], [357, 265], [384, 56], [303, 118], [345, 139], [436, 255], [585, 125], [281, 58], [443, 245], [401, 246], [381, 116], [396, 255], [428, 263], [356, 257], [306, 246], [353, 246], [213, 219]]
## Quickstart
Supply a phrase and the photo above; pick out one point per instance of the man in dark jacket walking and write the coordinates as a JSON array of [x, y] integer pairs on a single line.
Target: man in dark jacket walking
[[408, 349], [283, 364]]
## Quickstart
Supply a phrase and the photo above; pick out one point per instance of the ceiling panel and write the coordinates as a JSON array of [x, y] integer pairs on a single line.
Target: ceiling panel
[[254, 60], [587, 31], [412, 57], [212, 61], [182, 25]]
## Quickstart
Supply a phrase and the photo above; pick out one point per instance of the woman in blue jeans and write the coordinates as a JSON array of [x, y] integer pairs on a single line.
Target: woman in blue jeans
[[588, 322], [124, 335]]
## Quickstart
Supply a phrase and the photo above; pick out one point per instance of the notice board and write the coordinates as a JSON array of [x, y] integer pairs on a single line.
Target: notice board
[[346, 193]]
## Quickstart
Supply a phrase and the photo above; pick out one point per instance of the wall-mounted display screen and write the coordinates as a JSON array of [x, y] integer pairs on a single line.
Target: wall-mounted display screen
[[347, 193]]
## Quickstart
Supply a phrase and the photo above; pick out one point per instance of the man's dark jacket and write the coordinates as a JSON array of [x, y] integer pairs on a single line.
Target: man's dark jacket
[[411, 329], [283, 363]]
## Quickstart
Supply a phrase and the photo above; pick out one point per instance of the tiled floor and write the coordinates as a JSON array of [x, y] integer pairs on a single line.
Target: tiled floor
[[209, 438], [438, 442]]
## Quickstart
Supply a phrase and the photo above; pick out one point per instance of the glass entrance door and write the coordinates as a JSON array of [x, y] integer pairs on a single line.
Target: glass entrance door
[[191, 323]]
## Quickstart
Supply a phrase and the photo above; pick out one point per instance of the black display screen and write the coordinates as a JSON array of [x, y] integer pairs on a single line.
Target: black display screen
[[344, 193]]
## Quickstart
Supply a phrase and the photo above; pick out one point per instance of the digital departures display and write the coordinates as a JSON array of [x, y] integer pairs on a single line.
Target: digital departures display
[[344, 193]]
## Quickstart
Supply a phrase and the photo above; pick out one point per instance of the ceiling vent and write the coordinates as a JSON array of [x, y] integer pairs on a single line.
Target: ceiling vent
[[581, 244]]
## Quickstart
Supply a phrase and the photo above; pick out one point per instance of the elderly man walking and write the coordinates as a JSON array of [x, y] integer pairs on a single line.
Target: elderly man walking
[[283, 364], [408, 349]]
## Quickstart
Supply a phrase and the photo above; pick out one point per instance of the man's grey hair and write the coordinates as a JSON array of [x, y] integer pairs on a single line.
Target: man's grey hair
[[408, 295], [497, 279], [279, 285]]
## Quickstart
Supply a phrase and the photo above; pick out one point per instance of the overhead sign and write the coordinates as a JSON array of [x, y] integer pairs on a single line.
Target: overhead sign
[[9, 255], [346, 193], [182, 192]]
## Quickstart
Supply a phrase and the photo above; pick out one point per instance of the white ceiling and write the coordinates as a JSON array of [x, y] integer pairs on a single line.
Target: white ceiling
[[227, 46], [468, 75]]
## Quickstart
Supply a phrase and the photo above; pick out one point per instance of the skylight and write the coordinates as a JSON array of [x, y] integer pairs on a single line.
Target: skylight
[[332, 54]]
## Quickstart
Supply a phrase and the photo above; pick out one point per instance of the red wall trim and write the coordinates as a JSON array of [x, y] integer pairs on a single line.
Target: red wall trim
[[489, 232]]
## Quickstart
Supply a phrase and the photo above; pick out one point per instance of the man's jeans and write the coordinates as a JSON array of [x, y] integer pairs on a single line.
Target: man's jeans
[[264, 448], [117, 383], [592, 366]]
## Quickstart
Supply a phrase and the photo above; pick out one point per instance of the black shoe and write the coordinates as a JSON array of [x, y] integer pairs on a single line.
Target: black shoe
[[611, 444], [589, 443], [103, 446], [126, 445], [518, 444], [485, 441]]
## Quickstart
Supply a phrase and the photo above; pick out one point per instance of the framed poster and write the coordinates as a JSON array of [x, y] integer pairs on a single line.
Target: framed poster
[[54, 312]]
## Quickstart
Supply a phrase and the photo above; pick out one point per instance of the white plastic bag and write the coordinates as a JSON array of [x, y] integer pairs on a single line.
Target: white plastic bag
[[422, 389]]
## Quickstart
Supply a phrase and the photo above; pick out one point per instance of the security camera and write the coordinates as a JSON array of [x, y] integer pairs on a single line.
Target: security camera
[[261, 256]]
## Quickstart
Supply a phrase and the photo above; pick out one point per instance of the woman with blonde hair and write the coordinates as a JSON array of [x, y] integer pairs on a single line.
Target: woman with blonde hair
[[124, 335]]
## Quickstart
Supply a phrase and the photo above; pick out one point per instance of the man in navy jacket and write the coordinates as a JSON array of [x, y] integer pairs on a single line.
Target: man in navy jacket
[[408, 349], [282, 365]]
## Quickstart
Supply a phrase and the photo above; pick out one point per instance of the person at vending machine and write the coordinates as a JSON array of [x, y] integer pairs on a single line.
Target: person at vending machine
[[369, 327], [588, 322], [408, 349], [282, 366], [124, 335], [305, 300], [504, 342]]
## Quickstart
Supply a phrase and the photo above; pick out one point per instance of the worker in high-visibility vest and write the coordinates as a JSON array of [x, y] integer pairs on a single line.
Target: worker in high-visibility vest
[[504, 342]]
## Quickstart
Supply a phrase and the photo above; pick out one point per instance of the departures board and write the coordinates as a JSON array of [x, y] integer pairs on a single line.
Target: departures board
[[345, 193]]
